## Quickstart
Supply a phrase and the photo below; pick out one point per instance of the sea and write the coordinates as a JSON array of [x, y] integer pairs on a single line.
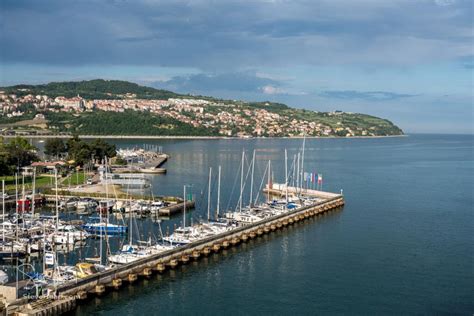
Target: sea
[[402, 244]]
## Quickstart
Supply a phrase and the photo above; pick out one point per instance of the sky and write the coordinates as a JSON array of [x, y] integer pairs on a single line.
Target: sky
[[410, 61]]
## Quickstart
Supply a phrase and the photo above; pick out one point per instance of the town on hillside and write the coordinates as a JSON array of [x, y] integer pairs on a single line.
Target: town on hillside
[[224, 119]]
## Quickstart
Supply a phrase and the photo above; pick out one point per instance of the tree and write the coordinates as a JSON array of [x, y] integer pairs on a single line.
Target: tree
[[20, 152], [79, 151], [101, 149], [54, 147], [4, 159]]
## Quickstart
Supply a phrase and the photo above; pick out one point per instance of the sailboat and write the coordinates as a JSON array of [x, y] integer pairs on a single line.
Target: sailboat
[[11, 248], [131, 252], [218, 225], [244, 215], [100, 225]]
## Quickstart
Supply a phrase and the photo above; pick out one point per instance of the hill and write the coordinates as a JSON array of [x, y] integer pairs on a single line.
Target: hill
[[113, 107]]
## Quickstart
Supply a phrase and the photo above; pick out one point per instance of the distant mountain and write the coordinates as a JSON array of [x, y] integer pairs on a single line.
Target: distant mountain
[[135, 113]]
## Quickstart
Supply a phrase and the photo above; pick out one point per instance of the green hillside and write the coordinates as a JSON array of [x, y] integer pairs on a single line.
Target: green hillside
[[205, 119]]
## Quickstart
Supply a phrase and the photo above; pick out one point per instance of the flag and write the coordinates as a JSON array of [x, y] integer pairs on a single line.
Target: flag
[[320, 178]]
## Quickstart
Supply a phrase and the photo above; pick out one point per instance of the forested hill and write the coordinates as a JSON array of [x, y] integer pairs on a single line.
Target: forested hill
[[93, 89], [113, 107]]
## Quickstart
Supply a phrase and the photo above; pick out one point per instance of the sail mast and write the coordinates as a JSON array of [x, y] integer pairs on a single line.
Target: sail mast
[[298, 174], [302, 161], [269, 179], [241, 182], [3, 210], [251, 180], [218, 191], [184, 207], [33, 193], [56, 189], [209, 196], [286, 175]]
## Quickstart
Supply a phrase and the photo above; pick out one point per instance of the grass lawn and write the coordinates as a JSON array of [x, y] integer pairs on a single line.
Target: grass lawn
[[41, 182], [74, 179]]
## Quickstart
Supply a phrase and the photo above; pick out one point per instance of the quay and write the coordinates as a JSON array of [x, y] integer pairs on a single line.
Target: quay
[[63, 298], [175, 208]]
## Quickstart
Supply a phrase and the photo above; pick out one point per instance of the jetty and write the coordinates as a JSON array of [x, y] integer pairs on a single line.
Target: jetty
[[65, 297], [141, 161]]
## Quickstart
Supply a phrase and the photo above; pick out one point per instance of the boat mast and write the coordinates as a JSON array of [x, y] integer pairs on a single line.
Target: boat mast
[[56, 190], [218, 191], [269, 179], [106, 236], [209, 196], [130, 214], [286, 175], [106, 191], [33, 193], [298, 174], [3, 210], [302, 161], [184, 206], [241, 182], [55, 267], [251, 179], [16, 204], [294, 170]]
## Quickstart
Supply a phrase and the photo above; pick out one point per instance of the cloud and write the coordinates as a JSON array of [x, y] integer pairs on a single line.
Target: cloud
[[269, 89], [219, 36], [364, 95], [445, 3], [205, 83]]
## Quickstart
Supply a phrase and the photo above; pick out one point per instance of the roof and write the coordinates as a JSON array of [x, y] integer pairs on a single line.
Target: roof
[[48, 163]]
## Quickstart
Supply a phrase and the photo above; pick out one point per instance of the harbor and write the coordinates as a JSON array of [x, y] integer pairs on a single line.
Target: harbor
[[74, 242], [68, 294]]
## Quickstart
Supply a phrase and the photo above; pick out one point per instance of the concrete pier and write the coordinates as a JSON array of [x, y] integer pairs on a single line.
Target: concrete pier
[[96, 284], [175, 208]]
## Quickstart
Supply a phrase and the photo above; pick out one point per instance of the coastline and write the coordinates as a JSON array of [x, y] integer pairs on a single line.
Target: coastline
[[157, 137]]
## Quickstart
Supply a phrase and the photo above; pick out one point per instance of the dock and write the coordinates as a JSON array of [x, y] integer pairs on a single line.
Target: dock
[[170, 210], [67, 295]]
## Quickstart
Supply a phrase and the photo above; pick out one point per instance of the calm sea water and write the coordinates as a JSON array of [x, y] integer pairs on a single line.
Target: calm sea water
[[403, 244]]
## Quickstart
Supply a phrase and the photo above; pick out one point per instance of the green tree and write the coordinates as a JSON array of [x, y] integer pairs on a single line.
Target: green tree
[[20, 152], [101, 149], [54, 147], [4, 159]]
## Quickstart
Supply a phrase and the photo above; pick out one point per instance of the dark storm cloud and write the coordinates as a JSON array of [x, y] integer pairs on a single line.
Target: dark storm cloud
[[212, 35]]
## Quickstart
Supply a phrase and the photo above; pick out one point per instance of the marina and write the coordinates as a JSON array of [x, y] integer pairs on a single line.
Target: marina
[[101, 245], [98, 283]]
